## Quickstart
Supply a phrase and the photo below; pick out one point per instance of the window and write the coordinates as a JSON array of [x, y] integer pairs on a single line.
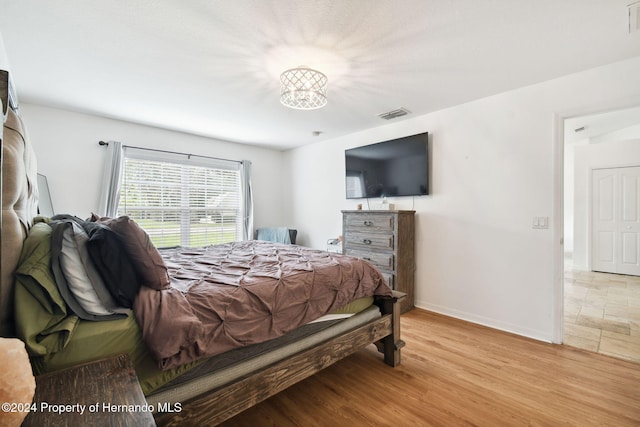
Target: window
[[182, 200], [355, 184]]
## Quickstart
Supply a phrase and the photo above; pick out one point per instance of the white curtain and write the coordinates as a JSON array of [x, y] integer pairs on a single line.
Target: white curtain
[[247, 200], [111, 174]]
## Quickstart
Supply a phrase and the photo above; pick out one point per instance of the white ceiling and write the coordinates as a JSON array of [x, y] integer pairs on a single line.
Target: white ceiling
[[610, 126], [212, 67]]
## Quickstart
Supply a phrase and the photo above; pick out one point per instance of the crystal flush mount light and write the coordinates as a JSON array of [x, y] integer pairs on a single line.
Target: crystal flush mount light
[[303, 88]]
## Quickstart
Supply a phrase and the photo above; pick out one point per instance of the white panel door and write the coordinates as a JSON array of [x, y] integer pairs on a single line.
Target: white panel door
[[616, 220], [603, 237], [629, 221]]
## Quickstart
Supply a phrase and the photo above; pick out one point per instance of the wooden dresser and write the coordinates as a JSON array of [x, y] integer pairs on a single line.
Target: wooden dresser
[[387, 240]]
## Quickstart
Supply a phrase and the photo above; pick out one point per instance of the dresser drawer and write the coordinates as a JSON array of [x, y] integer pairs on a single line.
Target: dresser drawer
[[368, 222], [368, 241], [380, 260]]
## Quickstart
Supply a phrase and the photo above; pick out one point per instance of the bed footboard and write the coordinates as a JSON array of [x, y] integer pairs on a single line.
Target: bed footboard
[[223, 403]]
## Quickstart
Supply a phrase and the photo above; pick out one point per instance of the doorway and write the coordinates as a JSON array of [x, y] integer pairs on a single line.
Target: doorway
[[601, 309]]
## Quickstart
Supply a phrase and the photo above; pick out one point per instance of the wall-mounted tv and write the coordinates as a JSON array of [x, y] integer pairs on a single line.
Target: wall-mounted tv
[[399, 167]]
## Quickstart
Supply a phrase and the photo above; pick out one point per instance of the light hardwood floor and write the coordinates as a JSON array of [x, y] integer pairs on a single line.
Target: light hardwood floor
[[458, 373], [602, 313]]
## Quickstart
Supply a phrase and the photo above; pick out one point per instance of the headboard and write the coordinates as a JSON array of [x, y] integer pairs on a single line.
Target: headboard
[[19, 199]]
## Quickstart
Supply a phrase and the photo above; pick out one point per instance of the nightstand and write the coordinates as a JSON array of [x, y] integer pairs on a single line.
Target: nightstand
[[100, 393]]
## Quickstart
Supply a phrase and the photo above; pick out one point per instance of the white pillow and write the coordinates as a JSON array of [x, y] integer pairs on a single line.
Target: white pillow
[[76, 275]]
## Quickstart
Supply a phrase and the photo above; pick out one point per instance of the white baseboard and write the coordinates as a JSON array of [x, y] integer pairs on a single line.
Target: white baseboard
[[486, 321]]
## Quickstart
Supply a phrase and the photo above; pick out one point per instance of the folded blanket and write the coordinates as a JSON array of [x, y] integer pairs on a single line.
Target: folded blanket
[[274, 234]]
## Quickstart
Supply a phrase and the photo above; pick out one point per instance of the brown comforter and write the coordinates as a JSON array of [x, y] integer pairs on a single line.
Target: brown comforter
[[231, 295]]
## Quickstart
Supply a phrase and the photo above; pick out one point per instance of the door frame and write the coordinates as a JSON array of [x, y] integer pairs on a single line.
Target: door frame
[[559, 119]]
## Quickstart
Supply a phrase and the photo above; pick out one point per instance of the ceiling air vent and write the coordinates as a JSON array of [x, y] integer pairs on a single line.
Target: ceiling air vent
[[394, 113]]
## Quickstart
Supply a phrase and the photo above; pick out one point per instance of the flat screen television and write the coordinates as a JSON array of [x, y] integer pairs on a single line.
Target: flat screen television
[[398, 167]]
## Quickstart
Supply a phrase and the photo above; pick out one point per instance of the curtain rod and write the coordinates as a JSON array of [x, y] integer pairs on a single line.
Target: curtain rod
[[172, 152]]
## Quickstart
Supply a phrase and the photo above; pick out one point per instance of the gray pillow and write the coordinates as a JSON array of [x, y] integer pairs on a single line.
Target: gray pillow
[[76, 277], [145, 257], [112, 262]]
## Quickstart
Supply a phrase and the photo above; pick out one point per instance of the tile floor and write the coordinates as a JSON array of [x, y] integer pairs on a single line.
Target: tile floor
[[602, 313]]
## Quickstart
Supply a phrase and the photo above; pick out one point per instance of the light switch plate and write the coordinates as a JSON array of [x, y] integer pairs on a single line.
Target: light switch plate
[[540, 222]]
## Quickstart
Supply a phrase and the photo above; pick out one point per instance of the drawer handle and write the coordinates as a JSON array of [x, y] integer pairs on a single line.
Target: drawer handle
[[368, 223], [366, 241]]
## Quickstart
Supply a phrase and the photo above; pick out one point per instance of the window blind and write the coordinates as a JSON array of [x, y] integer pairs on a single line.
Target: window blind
[[355, 184], [181, 200]]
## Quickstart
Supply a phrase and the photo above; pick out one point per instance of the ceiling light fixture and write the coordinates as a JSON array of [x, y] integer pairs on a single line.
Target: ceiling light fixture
[[303, 88]]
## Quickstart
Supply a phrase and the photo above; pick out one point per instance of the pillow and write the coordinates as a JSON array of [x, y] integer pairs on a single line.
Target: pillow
[[75, 283], [93, 275], [147, 261], [77, 278], [113, 264]]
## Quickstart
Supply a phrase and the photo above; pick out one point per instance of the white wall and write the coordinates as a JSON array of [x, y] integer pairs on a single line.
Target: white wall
[[496, 164], [589, 157], [66, 145], [4, 61]]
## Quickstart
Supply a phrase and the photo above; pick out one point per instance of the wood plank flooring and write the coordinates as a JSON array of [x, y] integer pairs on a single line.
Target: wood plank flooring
[[458, 373]]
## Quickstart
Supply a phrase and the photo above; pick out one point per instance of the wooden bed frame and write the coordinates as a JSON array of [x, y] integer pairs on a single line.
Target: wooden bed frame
[[224, 402]]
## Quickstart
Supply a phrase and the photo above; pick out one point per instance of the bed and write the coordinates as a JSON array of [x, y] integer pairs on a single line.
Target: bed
[[211, 379]]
